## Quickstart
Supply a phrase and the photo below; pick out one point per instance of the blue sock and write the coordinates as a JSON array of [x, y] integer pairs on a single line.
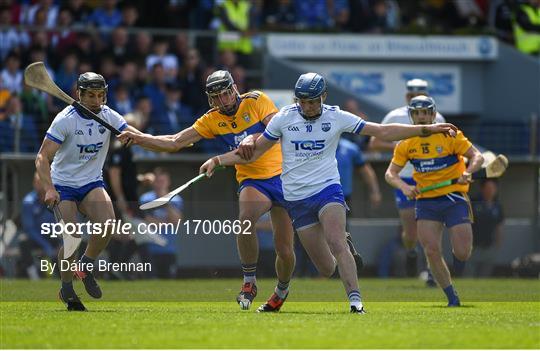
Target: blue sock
[[451, 294], [85, 259], [67, 286], [250, 272]]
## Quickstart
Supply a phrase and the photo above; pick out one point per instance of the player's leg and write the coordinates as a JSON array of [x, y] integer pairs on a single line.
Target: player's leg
[[430, 235], [67, 293], [97, 206], [332, 219], [253, 204], [285, 258], [317, 249]]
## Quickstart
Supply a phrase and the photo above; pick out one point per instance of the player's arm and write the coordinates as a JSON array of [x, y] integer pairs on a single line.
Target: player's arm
[[262, 144], [396, 131], [247, 146], [475, 164], [369, 176], [392, 177], [167, 143], [43, 161]]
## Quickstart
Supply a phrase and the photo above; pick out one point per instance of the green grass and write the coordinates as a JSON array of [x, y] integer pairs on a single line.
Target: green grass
[[402, 314]]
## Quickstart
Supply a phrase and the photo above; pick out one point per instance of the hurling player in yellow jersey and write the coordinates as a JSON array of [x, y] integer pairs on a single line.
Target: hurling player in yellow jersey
[[437, 158], [231, 119]]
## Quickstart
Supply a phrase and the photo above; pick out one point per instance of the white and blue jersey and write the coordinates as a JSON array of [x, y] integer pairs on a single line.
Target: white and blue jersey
[[83, 146], [309, 148], [310, 177]]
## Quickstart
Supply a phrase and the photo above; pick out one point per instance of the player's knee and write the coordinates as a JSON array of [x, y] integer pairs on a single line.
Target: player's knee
[[338, 247], [248, 220], [463, 254], [285, 252], [327, 270]]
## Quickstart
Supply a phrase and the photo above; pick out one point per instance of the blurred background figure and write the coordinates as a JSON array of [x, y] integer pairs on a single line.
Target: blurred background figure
[[487, 229], [163, 255], [35, 246]]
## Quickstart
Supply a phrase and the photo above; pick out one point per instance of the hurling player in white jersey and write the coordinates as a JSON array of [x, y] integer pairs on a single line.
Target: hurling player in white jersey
[[309, 133], [409, 236], [77, 147]]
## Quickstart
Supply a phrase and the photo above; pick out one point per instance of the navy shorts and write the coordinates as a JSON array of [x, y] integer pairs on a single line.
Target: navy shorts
[[77, 194], [305, 213], [451, 209], [402, 202], [271, 188]]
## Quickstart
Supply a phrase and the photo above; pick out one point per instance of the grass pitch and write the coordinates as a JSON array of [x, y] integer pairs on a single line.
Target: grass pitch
[[402, 313]]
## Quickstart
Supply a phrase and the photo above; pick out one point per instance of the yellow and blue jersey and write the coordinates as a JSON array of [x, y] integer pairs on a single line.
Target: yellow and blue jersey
[[435, 158], [254, 107]]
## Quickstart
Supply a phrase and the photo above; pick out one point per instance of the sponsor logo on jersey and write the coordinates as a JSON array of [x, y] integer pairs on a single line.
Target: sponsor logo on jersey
[[90, 148], [326, 126], [238, 138], [293, 129], [308, 144]]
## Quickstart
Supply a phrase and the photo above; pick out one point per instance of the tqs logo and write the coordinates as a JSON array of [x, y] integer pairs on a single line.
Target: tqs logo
[[89, 148], [308, 144]]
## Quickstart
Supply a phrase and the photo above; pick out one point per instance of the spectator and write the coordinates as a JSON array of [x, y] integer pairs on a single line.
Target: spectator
[[527, 27], [35, 106], [45, 8], [127, 77], [86, 49], [80, 12], [107, 16], [130, 16], [11, 75], [313, 14], [34, 213], [175, 115], [360, 15], [383, 18], [487, 229], [192, 76], [177, 14], [155, 89], [181, 47], [143, 46], [281, 16], [234, 16], [501, 17], [10, 38], [118, 49], [65, 38], [68, 72], [21, 126], [160, 55], [121, 101], [163, 258]]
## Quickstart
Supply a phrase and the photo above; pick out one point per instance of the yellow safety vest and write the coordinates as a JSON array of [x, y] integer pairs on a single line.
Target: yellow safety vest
[[527, 42], [239, 16]]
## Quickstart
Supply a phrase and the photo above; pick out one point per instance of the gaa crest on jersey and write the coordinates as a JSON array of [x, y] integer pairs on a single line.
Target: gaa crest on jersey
[[101, 129], [326, 126], [246, 117], [439, 149]]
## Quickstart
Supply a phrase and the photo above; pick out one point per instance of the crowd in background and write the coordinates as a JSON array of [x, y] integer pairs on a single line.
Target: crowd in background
[[159, 79]]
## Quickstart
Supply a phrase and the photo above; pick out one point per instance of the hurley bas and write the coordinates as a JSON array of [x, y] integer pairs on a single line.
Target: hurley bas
[[101, 266]]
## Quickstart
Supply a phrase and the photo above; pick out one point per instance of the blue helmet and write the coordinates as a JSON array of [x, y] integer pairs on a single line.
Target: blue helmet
[[422, 102], [310, 86]]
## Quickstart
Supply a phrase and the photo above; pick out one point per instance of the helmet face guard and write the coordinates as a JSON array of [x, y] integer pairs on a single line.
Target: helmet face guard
[[222, 92], [91, 81], [420, 107], [309, 91]]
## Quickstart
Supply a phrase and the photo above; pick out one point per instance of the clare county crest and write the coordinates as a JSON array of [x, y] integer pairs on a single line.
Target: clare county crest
[[439, 149], [101, 129], [246, 118], [326, 126]]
